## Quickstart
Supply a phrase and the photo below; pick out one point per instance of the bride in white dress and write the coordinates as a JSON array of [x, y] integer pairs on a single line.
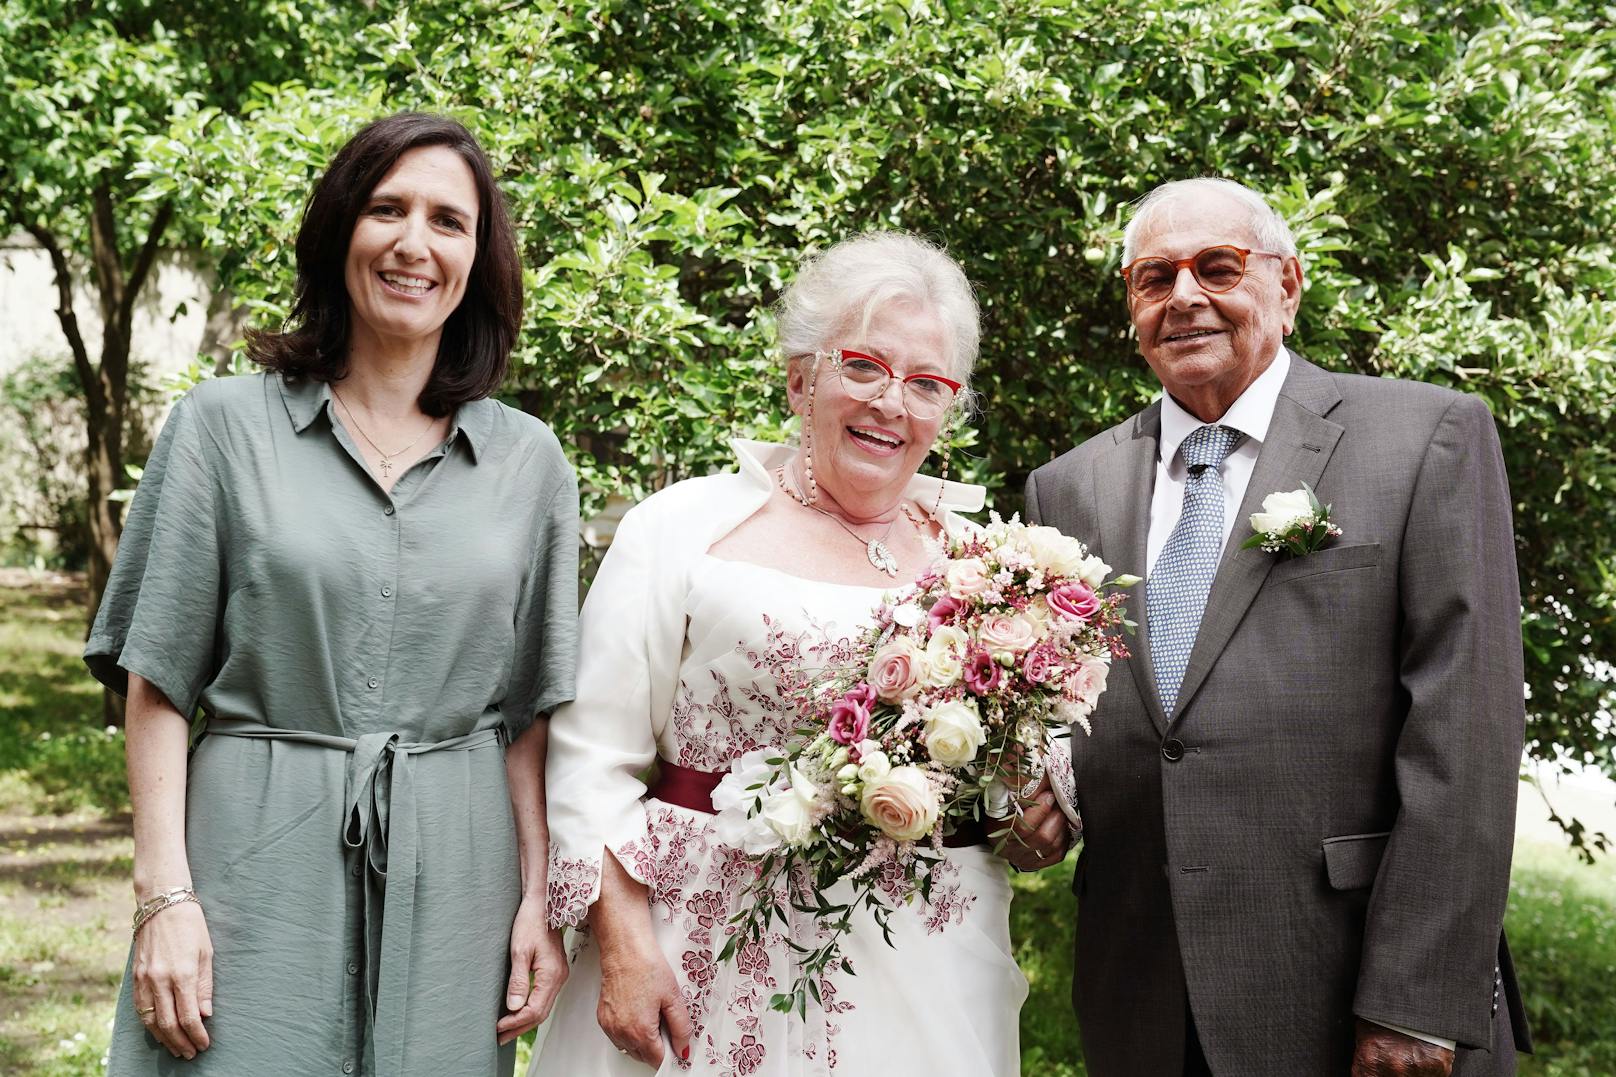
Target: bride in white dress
[[718, 595]]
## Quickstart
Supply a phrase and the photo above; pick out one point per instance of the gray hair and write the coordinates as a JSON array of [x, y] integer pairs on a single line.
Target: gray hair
[[1268, 228], [840, 290]]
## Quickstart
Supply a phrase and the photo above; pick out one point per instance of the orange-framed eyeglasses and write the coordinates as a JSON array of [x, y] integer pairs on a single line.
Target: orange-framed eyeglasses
[[1216, 269]]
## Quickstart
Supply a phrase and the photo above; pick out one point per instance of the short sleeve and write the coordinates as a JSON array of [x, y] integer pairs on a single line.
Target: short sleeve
[[160, 615], [545, 663], [604, 739]]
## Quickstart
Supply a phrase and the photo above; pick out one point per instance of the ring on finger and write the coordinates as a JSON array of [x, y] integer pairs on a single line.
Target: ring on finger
[[145, 1013]]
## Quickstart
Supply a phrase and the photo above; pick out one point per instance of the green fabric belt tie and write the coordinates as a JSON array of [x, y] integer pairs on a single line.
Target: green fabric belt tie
[[380, 820]]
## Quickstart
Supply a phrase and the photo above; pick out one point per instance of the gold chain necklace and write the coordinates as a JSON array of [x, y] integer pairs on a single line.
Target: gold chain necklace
[[386, 464]]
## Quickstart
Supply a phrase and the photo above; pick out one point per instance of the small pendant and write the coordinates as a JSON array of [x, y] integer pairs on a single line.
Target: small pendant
[[386, 466], [881, 557]]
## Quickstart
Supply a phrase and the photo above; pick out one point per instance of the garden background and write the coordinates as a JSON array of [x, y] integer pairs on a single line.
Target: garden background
[[1445, 166]]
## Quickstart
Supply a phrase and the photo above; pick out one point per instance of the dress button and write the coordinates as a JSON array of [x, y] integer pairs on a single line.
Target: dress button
[[347, 1067], [354, 871], [1172, 749], [353, 968], [387, 592], [374, 683], [388, 511]]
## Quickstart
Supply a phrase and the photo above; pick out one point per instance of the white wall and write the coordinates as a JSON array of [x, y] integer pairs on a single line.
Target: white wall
[[163, 336]]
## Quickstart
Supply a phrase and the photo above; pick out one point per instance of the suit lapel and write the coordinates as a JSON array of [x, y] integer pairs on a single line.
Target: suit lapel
[[1124, 483], [1299, 443]]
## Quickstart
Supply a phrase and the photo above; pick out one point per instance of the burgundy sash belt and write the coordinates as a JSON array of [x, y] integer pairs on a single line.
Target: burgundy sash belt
[[686, 787]]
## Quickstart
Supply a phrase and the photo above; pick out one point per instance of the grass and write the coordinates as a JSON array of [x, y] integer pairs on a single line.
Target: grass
[[64, 890], [54, 755]]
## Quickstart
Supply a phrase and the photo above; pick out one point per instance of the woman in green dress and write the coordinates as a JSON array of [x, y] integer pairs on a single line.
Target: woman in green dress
[[362, 571]]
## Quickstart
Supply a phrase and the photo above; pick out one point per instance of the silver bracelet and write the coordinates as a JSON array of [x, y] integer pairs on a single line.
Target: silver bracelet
[[149, 908]]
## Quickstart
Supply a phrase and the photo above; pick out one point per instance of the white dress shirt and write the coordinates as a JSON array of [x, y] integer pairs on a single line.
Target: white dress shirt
[[1250, 414]]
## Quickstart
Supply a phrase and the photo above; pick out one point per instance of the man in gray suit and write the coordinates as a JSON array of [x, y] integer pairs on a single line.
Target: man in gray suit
[[1299, 796]]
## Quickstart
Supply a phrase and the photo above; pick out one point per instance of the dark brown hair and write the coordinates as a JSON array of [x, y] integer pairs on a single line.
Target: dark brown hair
[[474, 352]]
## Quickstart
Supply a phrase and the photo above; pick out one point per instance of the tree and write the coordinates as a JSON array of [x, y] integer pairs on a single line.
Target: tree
[[87, 87], [668, 160]]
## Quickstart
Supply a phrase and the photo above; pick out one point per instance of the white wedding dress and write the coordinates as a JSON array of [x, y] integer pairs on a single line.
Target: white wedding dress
[[942, 1000]]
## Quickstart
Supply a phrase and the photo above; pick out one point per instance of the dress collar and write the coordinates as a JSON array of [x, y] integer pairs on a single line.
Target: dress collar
[[758, 459], [307, 397], [1250, 414]]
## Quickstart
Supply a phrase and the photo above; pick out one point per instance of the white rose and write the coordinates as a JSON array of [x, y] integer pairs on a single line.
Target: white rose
[[875, 766], [1281, 511], [902, 804], [943, 651], [1055, 553], [954, 732], [733, 823], [789, 813], [1093, 572]]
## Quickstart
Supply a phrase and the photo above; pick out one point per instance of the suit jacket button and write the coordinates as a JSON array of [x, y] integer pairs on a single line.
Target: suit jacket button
[[1172, 749]]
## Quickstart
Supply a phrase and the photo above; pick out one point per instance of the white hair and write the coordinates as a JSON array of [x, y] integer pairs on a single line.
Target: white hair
[[839, 290], [1267, 227]]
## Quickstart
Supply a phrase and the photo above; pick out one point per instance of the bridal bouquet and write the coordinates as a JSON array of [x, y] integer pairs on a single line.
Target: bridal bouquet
[[946, 710]]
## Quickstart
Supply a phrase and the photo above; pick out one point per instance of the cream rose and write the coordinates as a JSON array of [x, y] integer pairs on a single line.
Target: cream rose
[[902, 804], [967, 577], [1055, 553], [897, 670], [1281, 511], [943, 653], [954, 732], [1006, 637]]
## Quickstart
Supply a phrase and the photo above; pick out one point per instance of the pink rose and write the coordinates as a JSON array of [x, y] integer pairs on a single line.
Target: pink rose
[[850, 715], [902, 804], [1039, 665], [1088, 681], [967, 577], [896, 670], [982, 674], [1007, 635], [1074, 601], [943, 611]]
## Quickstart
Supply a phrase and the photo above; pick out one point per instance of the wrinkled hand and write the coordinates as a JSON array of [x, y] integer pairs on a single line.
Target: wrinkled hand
[[1039, 837], [638, 995], [538, 969], [173, 978], [1383, 1052]]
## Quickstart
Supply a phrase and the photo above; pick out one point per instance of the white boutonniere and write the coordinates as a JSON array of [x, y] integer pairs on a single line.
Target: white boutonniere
[[1293, 523]]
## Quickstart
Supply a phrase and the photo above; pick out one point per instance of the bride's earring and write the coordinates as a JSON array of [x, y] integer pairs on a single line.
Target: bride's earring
[[808, 482], [947, 438]]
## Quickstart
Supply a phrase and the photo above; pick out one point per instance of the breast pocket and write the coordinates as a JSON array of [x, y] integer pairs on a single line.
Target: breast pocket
[[1330, 559]]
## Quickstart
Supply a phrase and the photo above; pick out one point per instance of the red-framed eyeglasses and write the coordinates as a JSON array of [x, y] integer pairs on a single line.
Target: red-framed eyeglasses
[[1216, 269], [865, 377]]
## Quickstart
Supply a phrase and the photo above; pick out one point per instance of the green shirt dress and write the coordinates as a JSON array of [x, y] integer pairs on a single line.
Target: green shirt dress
[[361, 658]]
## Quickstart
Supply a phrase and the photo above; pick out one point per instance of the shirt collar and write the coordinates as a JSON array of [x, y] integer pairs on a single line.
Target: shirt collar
[[758, 459], [306, 398], [1250, 413]]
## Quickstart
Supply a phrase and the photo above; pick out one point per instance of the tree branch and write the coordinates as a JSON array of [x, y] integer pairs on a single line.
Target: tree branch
[[144, 258], [88, 380], [104, 254]]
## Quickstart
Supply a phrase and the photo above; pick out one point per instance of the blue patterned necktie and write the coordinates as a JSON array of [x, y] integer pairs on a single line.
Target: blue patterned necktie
[[1175, 594]]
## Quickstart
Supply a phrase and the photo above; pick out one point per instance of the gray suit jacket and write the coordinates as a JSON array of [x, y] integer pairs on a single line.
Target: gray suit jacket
[[1323, 827]]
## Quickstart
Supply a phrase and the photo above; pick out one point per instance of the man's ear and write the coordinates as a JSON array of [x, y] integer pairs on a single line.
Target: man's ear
[[1291, 283]]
